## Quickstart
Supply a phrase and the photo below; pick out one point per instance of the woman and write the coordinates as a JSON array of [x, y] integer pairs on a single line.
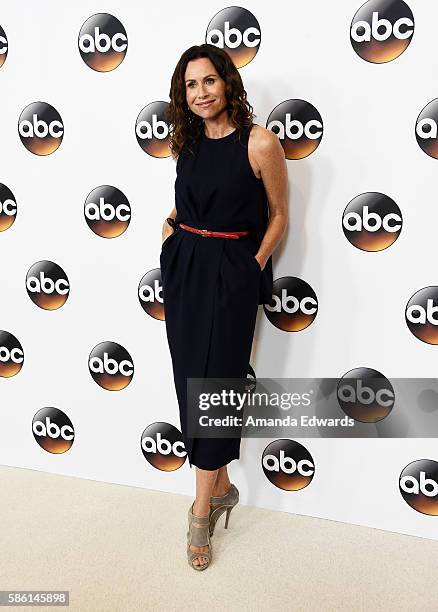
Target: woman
[[232, 182]]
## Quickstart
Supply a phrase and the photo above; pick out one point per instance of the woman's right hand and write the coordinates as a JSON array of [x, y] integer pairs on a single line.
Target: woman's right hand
[[166, 232]]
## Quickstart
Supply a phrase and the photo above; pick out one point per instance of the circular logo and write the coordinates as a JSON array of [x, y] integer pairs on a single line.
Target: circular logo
[[294, 304], [102, 42], [111, 366], [163, 447], [365, 395], [288, 465], [40, 128], [298, 126], [53, 430], [418, 486], [107, 211], [3, 47], [152, 131], [150, 294], [422, 315], [236, 30], [11, 355], [372, 221], [426, 129], [47, 285], [8, 208], [381, 30]]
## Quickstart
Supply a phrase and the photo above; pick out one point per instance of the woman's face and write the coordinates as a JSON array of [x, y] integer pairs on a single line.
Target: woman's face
[[203, 84]]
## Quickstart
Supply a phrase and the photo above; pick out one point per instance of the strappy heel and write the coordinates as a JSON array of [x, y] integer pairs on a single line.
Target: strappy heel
[[223, 503], [198, 536]]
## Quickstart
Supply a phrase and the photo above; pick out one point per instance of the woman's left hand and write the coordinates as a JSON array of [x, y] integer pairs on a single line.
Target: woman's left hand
[[261, 262]]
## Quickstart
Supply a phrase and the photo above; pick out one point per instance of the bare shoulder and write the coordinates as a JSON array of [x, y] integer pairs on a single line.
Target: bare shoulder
[[264, 142]]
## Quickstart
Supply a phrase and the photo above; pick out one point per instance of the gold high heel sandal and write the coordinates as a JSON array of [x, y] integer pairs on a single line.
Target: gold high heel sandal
[[223, 503], [198, 536]]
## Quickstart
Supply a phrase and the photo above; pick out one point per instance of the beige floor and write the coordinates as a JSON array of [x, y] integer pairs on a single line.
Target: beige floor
[[118, 548]]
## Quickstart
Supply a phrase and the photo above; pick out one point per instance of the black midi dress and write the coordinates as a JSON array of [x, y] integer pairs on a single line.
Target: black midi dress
[[212, 286]]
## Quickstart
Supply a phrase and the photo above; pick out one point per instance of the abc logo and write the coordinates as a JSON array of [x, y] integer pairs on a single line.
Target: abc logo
[[102, 42], [163, 447], [111, 366], [418, 486], [294, 305], [426, 130], [107, 211], [40, 128], [365, 395], [11, 355], [381, 30], [152, 130], [47, 285], [422, 314], [237, 31], [299, 127], [288, 465], [150, 294], [3, 47], [8, 208], [53, 430], [372, 221]]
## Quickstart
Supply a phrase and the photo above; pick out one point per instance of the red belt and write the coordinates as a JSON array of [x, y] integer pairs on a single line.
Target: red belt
[[205, 232]]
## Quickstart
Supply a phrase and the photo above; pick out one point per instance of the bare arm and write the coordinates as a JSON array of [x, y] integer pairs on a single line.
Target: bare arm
[[271, 160]]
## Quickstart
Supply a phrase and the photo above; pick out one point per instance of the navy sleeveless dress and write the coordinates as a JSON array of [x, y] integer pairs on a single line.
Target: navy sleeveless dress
[[212, 286]]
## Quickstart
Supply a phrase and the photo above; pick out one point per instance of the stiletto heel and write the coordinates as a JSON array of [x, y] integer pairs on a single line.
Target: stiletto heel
[[223, 503], [227, 518]]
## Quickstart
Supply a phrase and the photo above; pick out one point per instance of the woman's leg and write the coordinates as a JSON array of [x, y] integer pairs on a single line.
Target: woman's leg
[[222, 484], [205, 481]]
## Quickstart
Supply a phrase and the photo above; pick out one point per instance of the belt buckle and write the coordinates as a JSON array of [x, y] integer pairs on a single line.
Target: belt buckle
[[204, 234]]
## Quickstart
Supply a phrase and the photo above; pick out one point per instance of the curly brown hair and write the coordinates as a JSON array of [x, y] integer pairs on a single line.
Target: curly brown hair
[[184, 126]]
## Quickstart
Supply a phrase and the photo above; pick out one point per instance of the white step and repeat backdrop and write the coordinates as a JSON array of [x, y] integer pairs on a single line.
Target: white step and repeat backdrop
[[86, 182]]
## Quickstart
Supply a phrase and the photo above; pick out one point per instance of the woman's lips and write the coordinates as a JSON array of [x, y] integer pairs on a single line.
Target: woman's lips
[[205, 104]]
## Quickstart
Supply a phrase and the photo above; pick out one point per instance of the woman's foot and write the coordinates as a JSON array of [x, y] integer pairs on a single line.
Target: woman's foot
[[200, 510]]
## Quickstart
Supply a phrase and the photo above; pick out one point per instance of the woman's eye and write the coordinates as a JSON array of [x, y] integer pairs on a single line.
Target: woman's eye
[[209, 80]]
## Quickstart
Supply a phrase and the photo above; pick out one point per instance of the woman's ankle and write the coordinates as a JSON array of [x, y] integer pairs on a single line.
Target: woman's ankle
[[219, 490], [201, 509]]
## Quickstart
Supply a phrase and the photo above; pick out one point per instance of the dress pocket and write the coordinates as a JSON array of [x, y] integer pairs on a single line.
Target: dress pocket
[[256, 263], [166, 240], [253, 260]]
